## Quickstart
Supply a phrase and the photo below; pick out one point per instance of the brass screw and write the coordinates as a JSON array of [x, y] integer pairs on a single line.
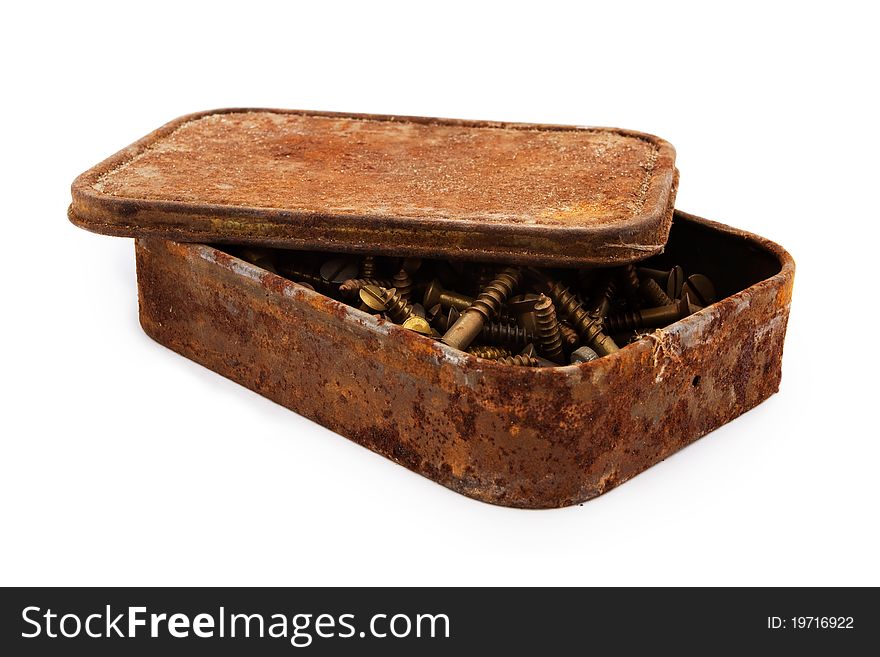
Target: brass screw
[[403, 283], [675, 282], [352, 286], [583, 355], [700, 289], [522, 361], [650, 317], [368, 267], [549, 334], [400, 312], [483, 309], [488, 352], [654, 294], [588, 327], [492, 333]]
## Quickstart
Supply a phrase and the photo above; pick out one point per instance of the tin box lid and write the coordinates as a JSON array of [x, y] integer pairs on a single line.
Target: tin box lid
[[520, 193]]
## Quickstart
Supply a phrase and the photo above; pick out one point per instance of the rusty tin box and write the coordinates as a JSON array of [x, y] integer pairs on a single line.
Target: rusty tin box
[[513, 193]]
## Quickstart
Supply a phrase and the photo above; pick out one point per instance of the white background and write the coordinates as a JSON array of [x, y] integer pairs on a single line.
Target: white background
[[123, 463]]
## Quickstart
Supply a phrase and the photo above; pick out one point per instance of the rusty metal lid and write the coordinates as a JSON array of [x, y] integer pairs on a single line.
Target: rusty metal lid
[[521, 193]]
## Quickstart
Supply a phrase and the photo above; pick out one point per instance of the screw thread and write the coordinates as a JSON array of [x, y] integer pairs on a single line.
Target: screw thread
[[654, 293], [397, 307], [368, 267], [629, 277], [489, 352], [489, 301], [496, 332], [549, 334], [522, 361], [353, 285], [569, 336]]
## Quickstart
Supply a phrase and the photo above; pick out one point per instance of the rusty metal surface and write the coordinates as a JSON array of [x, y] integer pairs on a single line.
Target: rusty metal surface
[[521, 437], [519, 193]]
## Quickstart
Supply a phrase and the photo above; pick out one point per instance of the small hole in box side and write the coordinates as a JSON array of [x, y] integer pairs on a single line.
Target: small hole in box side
[[695, 382]]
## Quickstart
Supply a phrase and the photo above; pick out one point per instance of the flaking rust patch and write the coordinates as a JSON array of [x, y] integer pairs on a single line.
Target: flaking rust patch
[[664, 350]]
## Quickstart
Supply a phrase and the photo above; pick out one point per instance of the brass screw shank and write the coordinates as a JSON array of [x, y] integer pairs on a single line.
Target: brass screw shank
[[483, 309], [650, 317]]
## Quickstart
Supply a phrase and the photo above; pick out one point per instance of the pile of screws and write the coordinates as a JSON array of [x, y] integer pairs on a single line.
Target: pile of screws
[[513, 315]]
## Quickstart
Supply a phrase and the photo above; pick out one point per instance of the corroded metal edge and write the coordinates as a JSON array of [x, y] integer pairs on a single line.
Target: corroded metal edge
[[521, 437], [624, 241]]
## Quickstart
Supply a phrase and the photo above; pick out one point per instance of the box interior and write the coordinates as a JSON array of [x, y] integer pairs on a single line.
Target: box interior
[[732, 261]]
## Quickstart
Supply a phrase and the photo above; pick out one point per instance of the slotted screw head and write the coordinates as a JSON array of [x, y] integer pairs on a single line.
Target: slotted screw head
[[417, 324], [700, 289], [432, 293], [374, 297]]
